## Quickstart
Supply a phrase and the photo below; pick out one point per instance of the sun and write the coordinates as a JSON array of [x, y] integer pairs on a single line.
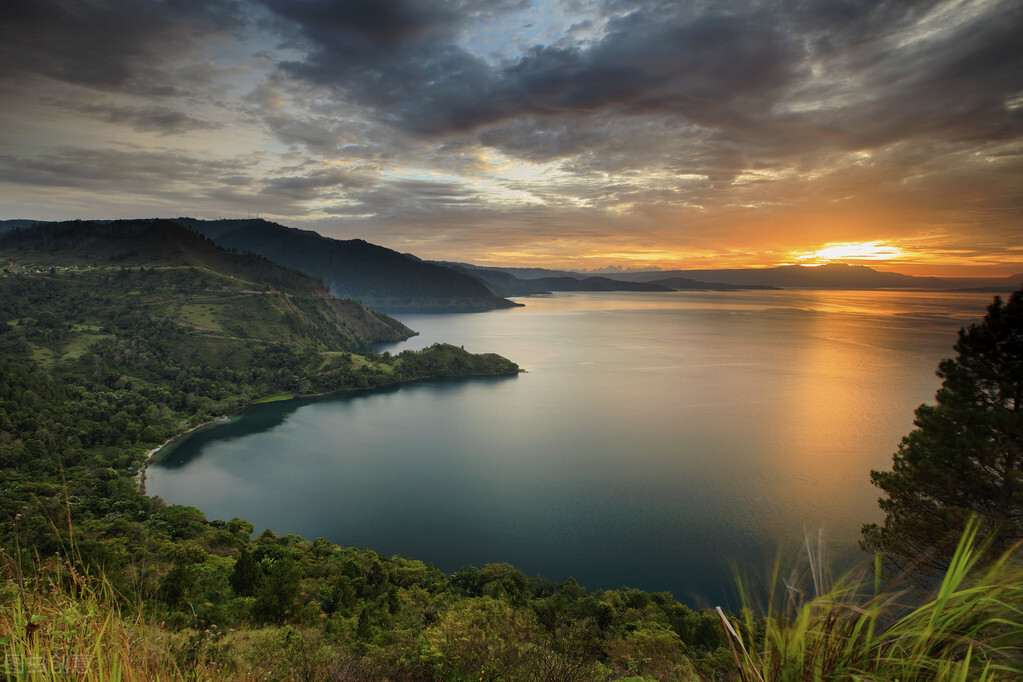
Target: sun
[[848, 252]]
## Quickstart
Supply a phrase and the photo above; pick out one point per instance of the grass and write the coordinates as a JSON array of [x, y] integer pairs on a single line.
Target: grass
[[275, 398], [969, 628], [78, 345], [200, 315], [359, 361], [59, 624], [42, 356]]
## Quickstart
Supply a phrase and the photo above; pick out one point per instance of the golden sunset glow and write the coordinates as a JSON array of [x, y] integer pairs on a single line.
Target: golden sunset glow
[[849, 252]]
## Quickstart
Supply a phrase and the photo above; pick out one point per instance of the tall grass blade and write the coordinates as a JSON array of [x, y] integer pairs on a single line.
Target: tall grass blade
[[970, 628]]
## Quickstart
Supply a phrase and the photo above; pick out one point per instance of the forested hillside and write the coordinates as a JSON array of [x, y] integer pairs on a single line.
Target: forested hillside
[[380, 278]]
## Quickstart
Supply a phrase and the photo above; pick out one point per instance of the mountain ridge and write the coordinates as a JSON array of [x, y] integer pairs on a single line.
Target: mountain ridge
[[185, 277], [828, 276], [502, 282], [387, 280], [380, 278]]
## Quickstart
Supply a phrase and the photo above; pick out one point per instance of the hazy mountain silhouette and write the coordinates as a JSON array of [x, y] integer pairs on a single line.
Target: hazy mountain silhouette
[[379, 277]]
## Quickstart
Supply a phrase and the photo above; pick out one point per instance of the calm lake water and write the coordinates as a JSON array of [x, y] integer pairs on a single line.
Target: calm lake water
[[656, 440]]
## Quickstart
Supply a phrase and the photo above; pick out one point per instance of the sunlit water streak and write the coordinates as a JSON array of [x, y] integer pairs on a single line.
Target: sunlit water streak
[[654, 440]]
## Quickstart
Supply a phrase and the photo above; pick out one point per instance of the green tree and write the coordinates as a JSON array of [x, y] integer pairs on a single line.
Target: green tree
[[276, 595], [245, 577], [964, 458]]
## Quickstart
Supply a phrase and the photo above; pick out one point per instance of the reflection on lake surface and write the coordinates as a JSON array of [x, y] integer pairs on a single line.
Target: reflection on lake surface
[[655, 439]]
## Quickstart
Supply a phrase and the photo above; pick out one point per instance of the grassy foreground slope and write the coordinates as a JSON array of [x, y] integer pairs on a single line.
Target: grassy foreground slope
[[359, 616]]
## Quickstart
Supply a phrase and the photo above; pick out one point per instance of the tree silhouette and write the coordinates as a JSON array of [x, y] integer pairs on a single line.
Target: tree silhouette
[[964, 458], [245, 577]]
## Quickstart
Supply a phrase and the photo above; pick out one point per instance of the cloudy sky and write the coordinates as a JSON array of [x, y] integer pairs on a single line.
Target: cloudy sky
[[565, 133]]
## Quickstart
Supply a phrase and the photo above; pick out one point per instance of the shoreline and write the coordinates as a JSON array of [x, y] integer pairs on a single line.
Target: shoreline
[[152, 456], [140, 477]]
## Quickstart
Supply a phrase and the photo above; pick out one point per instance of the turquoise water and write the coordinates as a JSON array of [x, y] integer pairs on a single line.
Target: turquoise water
[[655, 441]]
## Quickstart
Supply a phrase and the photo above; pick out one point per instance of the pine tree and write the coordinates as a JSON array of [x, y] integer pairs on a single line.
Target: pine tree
[[245, 577], [964, 458]]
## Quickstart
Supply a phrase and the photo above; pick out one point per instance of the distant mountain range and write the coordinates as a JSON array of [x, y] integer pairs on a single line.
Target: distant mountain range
[[393, 282], [503, 282], [831, 276]]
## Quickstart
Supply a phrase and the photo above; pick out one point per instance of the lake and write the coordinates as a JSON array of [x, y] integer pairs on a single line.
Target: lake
[[656, 440]]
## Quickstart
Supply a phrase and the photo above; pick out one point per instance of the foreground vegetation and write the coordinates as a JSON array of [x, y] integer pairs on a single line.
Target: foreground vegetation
[[970, 626], [289, 610], [320, 612]]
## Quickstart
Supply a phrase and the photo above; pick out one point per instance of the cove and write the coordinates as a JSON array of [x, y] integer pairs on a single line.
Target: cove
[[656, 440]]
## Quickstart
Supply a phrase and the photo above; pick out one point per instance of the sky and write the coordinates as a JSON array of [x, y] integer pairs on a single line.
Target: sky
[[585, 134]]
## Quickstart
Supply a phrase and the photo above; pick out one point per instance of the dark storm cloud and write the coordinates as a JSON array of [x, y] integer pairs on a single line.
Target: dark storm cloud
[[367, 30], [106, 44], [396, 56], [919, 74], [716, 67], [738, 68], [731, 67], [414, 75], [376, 22]]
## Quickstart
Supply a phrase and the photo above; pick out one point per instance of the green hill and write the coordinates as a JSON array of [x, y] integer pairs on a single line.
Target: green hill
[[225, 304], [151, 243]]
